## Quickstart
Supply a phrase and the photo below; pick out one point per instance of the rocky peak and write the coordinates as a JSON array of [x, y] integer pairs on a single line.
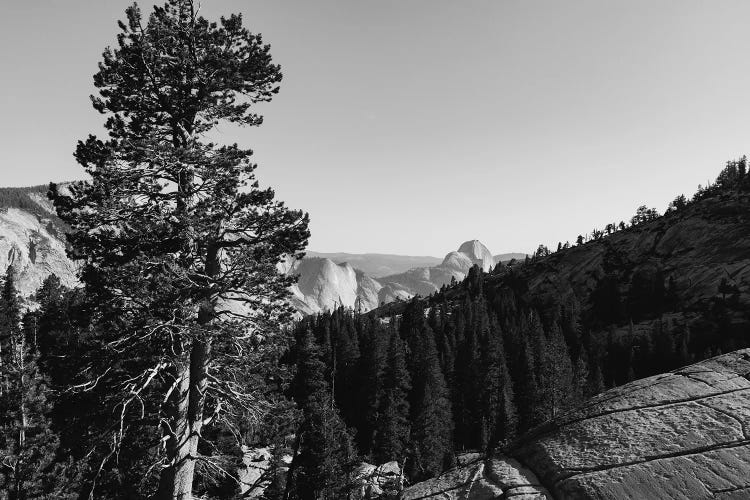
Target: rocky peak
[[470, 253]]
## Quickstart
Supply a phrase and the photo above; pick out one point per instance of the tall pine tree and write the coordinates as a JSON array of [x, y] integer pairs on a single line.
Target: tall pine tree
[[28, 446], [325, 453], [391, 438], [432, 419], [178, 243]]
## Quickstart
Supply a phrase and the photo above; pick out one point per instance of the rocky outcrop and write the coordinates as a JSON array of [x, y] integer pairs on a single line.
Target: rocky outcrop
[[377, 482], [32, 244], [479, 479], [683, 434], [478, 254], [324, 285]]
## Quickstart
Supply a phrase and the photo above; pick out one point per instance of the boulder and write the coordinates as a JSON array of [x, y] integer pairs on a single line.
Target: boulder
[[496, 477], [377, 482], [683, 434], [679, 435]]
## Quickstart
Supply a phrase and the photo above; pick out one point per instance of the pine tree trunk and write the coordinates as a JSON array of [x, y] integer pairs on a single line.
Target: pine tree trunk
[[186, 408], [176, 481]]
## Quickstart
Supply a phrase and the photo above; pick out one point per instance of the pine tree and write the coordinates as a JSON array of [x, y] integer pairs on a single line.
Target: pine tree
[[525, 378], [393, 426], [595, 383], [178, 243], [28, 446], [556, 375], [499, 414], [468, 374], [432, 420], [374, 342], [346, 376], [325, 455], [581, 378], [10, 320]]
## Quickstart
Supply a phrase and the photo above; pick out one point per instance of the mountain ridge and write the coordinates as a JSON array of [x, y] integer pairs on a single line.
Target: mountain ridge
[[325, 284], [32, 240]]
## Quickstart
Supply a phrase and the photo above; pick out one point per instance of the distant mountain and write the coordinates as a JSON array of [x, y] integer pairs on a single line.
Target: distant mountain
[[379, 264], [328, 282], [32, 239]]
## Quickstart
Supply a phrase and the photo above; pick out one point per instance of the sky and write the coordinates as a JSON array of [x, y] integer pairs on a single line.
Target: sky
[[409, 127]]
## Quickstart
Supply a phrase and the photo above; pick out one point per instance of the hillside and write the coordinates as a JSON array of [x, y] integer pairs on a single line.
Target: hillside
[[608, 316], [687, 272]]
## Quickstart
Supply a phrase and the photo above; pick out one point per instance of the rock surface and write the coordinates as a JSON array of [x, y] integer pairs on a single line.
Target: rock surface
[[682, 434], [678, 435], [32, 245], [478, 253], [499, 477], [377, 482]]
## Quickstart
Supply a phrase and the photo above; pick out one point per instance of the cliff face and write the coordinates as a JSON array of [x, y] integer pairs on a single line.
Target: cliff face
[[679, 435], [31, 241], [324, 284]]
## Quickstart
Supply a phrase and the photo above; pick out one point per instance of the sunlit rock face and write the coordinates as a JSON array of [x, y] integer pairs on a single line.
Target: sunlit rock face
[[324, 284], [35, 248], [480, 478], [683, 434], [478, 254]]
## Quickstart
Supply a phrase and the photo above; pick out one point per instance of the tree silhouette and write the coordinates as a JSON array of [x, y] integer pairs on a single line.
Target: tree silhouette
[[177, 241]]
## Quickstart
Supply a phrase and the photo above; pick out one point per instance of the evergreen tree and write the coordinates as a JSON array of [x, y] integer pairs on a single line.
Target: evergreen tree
[[325, 455], [595, 383], [556, 376], [393, 426], [10, 319], [468, 375], [499, 415], [525, 379], [171, 229], [28, 446], [432, 427], [374, 342], [346, 377]]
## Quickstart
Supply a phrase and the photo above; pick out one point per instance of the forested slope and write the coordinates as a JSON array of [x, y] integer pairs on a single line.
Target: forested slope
[[478, 364]]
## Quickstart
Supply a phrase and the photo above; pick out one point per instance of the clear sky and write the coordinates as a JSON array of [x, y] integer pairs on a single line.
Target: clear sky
[[411, 126]]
